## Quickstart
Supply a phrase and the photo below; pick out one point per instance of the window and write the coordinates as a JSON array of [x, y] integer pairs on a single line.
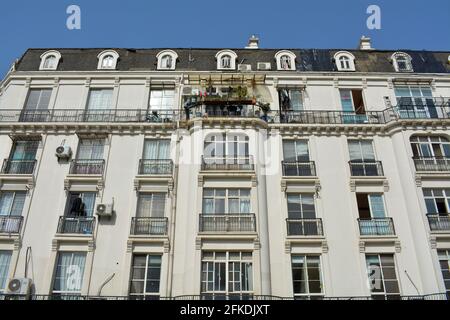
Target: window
[[100, 99], [22, 158], [151, 205], [285, 60], [437, 201], [226, 201], [145, 276], [430, 147], [80, 204], [91, 149], [226, 146], [306, 277], [69, 273], [156, 149], [5, 259], [162, 99], [345, 61], [382, 276], [227, 273], [50, 60], [361, 151], [167, 60], [402, 62], [38, 99], [295, 150], [415, 102], [12, 202], [226, 60], [107, 60], [444, 263], [290, 99], [302, 219], [352, 101], [370, 206]]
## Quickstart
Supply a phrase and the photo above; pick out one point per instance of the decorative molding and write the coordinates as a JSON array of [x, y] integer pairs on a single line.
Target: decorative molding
[[254, 181], [198, 243], [283, 185], [129, 246], [390, 83], [148, 82], [325, 246], [364, 83], [27, 83], [87, 82], [200, 180], [386, 185], [56, 82], [433, 242], [287, 247], [257, 244], [362, 246], [336, 82], [398, 246], [352, 185], [433, 85], [116, 82], [418, 180], [166, 246], [91, 245], [54, 245], [17, 244]]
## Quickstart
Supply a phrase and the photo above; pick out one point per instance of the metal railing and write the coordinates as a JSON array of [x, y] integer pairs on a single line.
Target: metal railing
[[10, 224], [150, 166], [224, 109], [439, 222], [81, 166], [149, 226], [298, 168], [366, 168], [333, 117], [18, 166], [228, 163], [76, 225], [244, 222], [376, 227], [432, 164], [304, 227]]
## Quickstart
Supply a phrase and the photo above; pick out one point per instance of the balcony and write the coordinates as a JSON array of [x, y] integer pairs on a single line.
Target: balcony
[[244, 222], [10, 224], [155, 167], [439, 222], [18, 166], [298, 168], [423, 108], [432, 164], [376, 227], [224, 108], [87, 167], [366, 168], [333, 117], [227, 163], [304, 227], [149, 226], [76, 225]]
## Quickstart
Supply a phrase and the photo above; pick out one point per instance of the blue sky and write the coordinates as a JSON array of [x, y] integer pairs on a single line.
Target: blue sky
[[226, 23]]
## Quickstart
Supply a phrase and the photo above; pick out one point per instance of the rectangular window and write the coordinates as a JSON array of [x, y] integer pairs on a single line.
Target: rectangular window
[[444, 263], [295, 150], [437, 201], [301, 206], [12, 202], [306, 277], [226, 201], [80, 204], [382, 276], [5, 259], [227, 273], [69, 273], [290, 99], [100, 99], [145, 276], [370, 206], [162, 99], [415, 101], [430, 147], [151, 205], [24, 150], [226, 146], [156, 150], [352, 101], [38, 99], [91, 149], [361, 151]]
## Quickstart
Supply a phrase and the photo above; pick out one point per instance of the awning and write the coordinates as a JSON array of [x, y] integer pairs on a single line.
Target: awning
[[227, 79]]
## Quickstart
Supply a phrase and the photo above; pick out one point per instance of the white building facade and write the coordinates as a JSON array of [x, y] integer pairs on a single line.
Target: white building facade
[[237, 173]]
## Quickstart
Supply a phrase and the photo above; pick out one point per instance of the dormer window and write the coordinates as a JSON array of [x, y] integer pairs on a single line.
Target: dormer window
[[285, 60], [345, 61], [50, 60], [226, 60], [167, 60], [402, 62], [107, 60]]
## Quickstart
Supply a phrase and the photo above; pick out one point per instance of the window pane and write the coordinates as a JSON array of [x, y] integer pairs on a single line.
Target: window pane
[[5, 258]]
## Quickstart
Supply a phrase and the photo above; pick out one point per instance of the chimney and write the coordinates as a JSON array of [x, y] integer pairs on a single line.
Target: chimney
[[253, 43], [365, 44]]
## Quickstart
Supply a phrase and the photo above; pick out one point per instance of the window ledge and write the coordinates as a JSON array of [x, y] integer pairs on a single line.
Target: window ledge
[[26, 181]]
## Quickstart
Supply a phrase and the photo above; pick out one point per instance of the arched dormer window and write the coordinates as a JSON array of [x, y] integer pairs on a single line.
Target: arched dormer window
[[226, 60], [448, 59], [50, 60], [167, 60], [345, 61], [402, 62], [285, 60], [107, 60]]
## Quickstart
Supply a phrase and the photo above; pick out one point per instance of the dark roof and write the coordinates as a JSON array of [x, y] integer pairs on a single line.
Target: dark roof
[[320, 60]]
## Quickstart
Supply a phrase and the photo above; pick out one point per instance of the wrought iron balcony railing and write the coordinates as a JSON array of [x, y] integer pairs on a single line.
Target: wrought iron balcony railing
[[155, 167], [244, 222], [432, 164], [298, 168], [304, 227], [376, 227], [149, 226], [439, 222], [18, 166], [88, 167], [366, 168], [10, 224], [228, 163], [333, 117], [76, 225]]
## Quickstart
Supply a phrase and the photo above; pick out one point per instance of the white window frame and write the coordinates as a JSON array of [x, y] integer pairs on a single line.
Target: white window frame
[[47, 55], [167, 94], [218, 140], [444, 255], [384, 293], [408, 61], [417, 141], [308, 295], [69, 293], [144, 293], [13, 202], [226, 198], [162, 54], [338, 56], [104, 54], [151, 197], [445, 194], [283, 53], [7, 268], [221, 54]]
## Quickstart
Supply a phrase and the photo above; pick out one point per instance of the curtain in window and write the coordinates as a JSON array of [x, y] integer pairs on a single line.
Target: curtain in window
[[100, 99], [89, 202], [91, 149], [6, 202], [347, 101], [296, 98], [295, 151], [69, 272], [38, 99], [247, 276], [17, 205], [24, 150], [361, 151], [5, 259], [245, 206], [377, 206]]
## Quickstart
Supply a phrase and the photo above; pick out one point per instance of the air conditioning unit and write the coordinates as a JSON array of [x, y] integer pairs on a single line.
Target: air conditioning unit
[[63, 152], [19, 287], [264, 66], [244, 67], [105, 210]]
